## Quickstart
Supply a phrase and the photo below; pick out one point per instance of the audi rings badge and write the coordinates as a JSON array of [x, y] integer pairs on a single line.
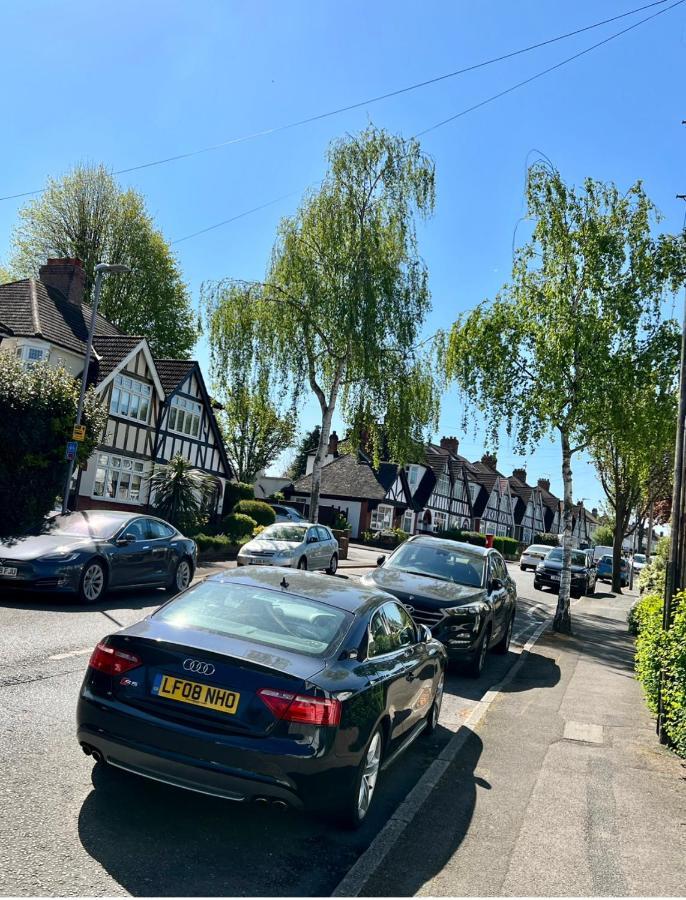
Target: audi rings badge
[[198, 666]]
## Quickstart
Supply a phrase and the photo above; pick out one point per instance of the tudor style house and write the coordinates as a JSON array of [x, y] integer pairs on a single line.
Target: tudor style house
[[449, 504], [156, 408], [493, 510], [529, 518]]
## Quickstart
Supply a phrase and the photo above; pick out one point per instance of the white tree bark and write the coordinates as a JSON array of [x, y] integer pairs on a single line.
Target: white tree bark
[[563, 621], [327, 408]]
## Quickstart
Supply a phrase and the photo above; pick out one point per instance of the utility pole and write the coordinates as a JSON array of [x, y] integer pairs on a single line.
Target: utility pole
[[100, 270], [674, 576]]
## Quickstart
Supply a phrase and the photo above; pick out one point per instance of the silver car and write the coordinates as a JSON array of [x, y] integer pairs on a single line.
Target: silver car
[[302, 546], [287, 514]]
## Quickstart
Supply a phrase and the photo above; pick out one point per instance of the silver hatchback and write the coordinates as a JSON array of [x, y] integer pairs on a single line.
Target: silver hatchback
[[302, 546]]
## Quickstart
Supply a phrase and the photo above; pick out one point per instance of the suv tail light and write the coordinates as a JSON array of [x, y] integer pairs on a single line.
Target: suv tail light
[[296, 708], [112, 661]]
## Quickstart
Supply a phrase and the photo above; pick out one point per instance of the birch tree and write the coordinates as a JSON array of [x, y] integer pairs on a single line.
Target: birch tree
[[345, 297], [548, 356]]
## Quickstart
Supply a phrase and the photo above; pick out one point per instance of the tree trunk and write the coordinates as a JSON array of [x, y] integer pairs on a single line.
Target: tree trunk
[[563, 620], [327, 416], [649, 538], [617, 542]]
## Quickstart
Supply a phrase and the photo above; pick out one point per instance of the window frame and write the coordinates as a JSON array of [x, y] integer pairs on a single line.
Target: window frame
[[187, 408], [375, 516], [109, 468], [136, 389]]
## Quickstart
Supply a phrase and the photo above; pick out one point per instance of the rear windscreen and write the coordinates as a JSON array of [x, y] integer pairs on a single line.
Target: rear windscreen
[[274, 618]]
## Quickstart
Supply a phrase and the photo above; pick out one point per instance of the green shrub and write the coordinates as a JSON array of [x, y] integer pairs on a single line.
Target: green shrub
[[258, 529], [467, 537], [508, 546], [604, 536], [238, 526], [207, 542], [647, 615], [277, 497], [261, 512], [652, 577], [235, 491], [401, 535], [547, 539]]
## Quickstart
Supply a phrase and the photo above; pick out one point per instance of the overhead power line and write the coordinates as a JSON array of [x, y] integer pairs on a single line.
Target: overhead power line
[[395, 93], [241, 215], [481, 103]]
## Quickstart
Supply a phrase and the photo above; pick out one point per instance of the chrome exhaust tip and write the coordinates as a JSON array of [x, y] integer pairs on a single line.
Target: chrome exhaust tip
[[87, 749], [97, 755], [260, 800], [280, 804]]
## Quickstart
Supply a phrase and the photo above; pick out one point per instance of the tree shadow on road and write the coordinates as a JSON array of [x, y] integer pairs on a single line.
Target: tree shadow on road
[[134, 598]]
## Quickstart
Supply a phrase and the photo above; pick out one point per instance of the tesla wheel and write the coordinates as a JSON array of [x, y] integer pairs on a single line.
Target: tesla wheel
[[476, 665], [93, 581], [354, 811], [333, 565], [503, 644], [183, 574], [302, 562], [435, 711]]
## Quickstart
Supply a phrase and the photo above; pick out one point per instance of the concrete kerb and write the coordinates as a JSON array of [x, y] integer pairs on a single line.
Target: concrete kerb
[[372, 858]]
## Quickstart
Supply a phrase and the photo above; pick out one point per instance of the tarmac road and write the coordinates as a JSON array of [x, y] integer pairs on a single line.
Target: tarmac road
[[71, 828]]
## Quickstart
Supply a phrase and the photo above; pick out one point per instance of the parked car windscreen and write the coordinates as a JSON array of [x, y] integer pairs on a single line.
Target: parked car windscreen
[[458, 566], [100, 525], [282, 531], [578, 558], [288, 622], [639, 557]]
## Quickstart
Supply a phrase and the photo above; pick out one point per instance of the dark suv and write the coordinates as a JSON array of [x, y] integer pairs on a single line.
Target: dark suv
[[461, 592], [584, 572]]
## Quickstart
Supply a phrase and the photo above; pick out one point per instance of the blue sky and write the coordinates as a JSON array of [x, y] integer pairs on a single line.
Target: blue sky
[[128, 82]]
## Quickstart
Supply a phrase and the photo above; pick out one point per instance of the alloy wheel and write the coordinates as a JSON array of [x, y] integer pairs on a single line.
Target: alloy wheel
[[370, 773], [93, 582], [333, 565], [183, 575], [302, 564]]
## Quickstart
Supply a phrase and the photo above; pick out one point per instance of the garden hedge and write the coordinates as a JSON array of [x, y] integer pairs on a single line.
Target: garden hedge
[[237, 526], [261, 512]]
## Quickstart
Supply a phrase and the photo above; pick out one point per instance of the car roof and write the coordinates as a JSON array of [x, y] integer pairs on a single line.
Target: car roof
[[302, 524], [447, 544], [346, 595]]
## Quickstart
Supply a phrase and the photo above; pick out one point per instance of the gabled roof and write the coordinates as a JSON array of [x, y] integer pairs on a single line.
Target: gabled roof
[[520, 488], [485, 475], [29, 308], [111, 351], [552, 502], [173, 371], [348, 476]]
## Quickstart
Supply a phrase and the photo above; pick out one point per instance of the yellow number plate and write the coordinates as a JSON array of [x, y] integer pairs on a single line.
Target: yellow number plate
[[198, 694]]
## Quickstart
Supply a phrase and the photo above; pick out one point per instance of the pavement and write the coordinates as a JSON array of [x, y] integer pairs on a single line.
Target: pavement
[[562, 790]]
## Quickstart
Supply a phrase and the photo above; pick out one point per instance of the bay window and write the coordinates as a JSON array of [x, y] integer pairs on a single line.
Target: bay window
[[440, 521], [382, 518], [119, 478]]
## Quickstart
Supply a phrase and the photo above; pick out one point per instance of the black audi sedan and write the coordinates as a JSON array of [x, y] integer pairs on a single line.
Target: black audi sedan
[[584, 572], [86, 553], [460, 591], [266, 685]]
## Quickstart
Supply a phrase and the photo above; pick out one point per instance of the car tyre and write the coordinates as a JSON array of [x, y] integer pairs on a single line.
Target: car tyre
[[476, 665], [354, 810], [93, 582], [302, 563], [182, 577], [590, 591], [503, 644], [537, 585], [333, 565], [435, 711]]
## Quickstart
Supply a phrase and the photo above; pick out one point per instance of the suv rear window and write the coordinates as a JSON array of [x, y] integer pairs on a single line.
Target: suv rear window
[[257, 614]]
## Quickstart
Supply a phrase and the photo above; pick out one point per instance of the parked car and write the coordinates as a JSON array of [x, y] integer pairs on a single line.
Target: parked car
[[639, 561], [287, 514], [461, 592], [265, 685], [532, 556], [301, 546], [600, 551], [87, 553], [583, 570], [605, 570]]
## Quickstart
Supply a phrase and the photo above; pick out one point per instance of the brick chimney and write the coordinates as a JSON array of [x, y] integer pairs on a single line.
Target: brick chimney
[[333, 444], [66, 276], [544, 483], [594, 512], [450, 444], [520, 473], [490, 459]]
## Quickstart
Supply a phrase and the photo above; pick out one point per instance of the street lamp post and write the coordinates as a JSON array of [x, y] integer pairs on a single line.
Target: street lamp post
[[100, 270]]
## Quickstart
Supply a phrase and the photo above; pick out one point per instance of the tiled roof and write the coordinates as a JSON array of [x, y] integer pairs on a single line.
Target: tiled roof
[[172, 372], [28, 308], [550, 500], [345, 476], [485, 475], [112, 350], [520, 488]]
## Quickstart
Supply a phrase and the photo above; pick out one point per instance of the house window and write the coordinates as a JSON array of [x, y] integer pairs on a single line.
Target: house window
[[443, 486], [382, 517], [408, 521], [130, 399], [119, 478], [458, 490], [31, 355], [440, 521], [413, 476], [184, 416]]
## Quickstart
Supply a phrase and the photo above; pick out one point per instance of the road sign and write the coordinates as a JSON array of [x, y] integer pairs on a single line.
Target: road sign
[[72, 450], [79, 433]]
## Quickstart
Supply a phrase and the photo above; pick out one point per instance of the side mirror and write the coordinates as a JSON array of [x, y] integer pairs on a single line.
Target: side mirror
[[125, 540], [380, 560], [425, 634]]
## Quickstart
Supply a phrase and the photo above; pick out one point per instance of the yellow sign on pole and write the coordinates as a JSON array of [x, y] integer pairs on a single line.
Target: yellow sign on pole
[[79, 433]]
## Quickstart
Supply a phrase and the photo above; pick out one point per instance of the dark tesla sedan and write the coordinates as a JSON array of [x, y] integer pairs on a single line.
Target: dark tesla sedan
[[86, 553], [584, 573], [460, 591], [265, 684]]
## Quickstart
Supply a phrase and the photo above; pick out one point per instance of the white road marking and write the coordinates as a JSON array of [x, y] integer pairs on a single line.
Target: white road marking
[[71, 653]]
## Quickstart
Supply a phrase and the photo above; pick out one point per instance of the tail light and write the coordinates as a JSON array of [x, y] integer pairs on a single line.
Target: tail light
[[296, 708], [112, 661]]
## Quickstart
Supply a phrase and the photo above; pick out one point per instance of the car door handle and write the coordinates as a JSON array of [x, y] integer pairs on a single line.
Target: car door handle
[[146, 547]]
